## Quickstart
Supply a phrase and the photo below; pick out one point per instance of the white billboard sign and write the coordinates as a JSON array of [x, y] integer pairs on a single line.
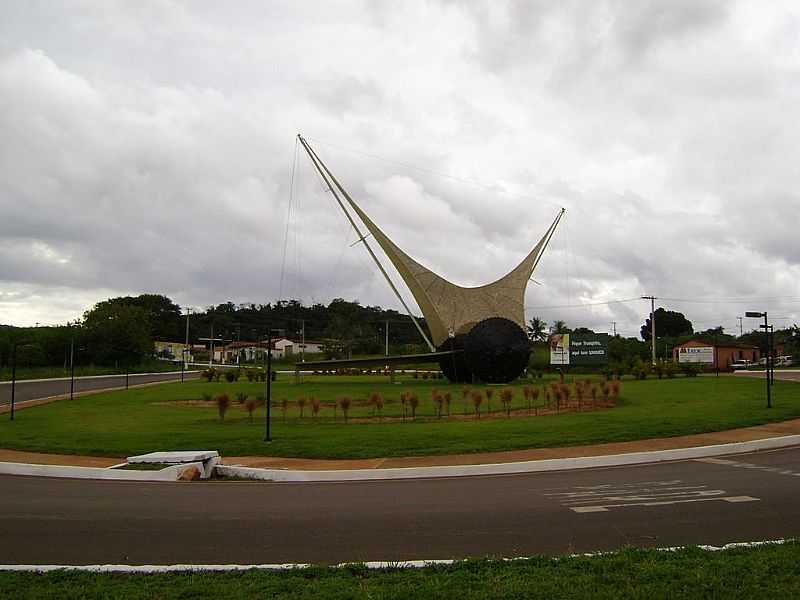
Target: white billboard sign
[[703, 354]]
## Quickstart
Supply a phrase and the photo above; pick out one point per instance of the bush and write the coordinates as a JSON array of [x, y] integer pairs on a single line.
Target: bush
[[230, 376], [251, 374], [241, 397], [691, 369], [223, 403], [209, 374], [670, 368], [250, 405], [641, 369]]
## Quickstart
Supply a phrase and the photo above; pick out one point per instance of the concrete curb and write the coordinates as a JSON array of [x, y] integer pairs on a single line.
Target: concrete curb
[[532, 466], [186, 471]]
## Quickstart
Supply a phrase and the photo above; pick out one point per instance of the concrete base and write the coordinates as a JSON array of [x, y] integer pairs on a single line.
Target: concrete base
[[183, 472], [207, 458]]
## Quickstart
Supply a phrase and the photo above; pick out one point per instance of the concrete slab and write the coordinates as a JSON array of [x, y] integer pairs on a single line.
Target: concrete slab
[[186, 456]]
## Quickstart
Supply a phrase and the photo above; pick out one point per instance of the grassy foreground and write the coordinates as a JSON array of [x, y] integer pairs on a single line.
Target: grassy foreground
[[167, 417], [771, 571]]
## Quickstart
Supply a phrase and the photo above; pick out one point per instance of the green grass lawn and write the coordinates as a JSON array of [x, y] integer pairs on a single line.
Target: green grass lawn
[[146, 419], [771, 571]]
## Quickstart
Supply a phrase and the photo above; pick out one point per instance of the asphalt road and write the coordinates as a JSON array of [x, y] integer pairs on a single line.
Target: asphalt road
[[712, 501], [36, 389]]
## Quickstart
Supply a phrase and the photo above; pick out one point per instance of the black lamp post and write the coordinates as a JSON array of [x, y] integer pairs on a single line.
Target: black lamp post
[[268, 360], [13, 377], [768, 365]]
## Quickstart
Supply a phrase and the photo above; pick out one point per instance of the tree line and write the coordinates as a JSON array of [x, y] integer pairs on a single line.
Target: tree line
[[120, 331]]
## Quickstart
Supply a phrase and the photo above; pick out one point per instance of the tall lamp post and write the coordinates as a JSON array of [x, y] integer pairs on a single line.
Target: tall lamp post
[[768, 365], [13, 377], [268, 359]]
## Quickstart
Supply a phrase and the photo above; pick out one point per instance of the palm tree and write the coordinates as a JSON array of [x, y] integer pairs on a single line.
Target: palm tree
[[560, 327], [537, 330]]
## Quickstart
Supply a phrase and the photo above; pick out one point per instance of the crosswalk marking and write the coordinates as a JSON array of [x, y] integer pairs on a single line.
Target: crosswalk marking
[[745, 465], [603, 497]]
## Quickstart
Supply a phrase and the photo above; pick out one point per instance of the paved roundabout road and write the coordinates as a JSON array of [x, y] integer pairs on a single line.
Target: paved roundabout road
[[708, 501], [35, 389]]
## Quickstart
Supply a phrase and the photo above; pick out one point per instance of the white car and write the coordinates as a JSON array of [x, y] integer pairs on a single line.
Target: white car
[[739, 365]]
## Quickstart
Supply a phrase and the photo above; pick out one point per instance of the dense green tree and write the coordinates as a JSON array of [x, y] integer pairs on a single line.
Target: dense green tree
[[116, 334], [668, 324]]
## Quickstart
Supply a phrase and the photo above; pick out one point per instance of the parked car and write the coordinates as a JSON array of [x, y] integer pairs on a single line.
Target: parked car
[[739, 365]]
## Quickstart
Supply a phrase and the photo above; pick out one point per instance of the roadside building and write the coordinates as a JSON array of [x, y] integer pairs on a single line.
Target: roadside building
[[714, 356], [245, 352]]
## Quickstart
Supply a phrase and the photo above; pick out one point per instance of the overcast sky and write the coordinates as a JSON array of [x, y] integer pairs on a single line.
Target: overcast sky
[[148, 147]]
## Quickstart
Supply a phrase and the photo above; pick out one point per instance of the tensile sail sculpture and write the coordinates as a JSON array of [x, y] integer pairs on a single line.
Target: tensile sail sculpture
[[484, 325]]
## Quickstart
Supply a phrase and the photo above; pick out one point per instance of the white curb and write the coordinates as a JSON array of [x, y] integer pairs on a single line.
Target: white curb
[[174, 473], [531, 466], [376, 564]]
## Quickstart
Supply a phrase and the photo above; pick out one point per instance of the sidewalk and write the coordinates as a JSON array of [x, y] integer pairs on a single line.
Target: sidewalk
[[745, 434]]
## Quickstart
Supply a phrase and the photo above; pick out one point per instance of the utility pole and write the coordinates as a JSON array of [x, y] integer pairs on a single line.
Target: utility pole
[[211, 339], [387, 337], [614, 327], [652, 324], [740, 326], [303, 343]]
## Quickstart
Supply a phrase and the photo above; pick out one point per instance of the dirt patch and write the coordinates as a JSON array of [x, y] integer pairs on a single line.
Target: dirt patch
[[38, 458]]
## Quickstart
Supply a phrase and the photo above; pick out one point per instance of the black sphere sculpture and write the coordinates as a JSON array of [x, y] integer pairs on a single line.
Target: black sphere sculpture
[[455, 366], [496, 350]]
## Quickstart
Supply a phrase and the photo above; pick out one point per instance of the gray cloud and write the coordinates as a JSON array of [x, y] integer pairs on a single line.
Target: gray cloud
[[148, 147]]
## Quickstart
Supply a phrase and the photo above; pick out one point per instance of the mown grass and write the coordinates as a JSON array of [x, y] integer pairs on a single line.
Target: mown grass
[[771, 571], [146, 419]]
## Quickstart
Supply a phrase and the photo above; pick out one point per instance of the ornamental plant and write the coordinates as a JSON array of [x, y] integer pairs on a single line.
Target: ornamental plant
[[413, 402], [344, 403], [477, 399], [223, 402], [250, 405]]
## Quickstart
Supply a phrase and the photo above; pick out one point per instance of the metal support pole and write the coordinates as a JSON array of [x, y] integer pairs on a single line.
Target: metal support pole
[[387, 338], [769, 362], [267, 434], [72, 368], [186, 344], [126, 376], [13, 378]]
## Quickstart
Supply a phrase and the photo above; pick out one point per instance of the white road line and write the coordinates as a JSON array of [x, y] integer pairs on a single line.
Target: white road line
[[605, 507], [745, 465]]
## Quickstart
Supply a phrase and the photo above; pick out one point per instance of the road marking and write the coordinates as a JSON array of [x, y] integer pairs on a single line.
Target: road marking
[[601, 498], [745, 465]]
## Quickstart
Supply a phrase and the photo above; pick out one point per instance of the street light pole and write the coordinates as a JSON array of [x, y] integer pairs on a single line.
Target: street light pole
[[72, 368], [13, 378], [387, 338], [267, 433], [757, 315], [186, 344]]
